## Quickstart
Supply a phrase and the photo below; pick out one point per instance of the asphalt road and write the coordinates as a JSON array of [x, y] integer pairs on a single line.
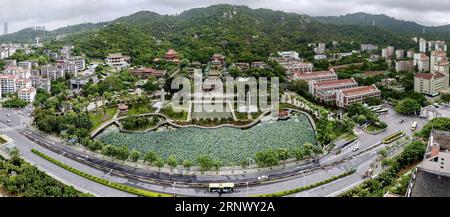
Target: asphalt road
[[25, 140]]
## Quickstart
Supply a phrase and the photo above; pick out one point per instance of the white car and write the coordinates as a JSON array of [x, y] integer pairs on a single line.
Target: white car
[[355, 149], [260, 178]]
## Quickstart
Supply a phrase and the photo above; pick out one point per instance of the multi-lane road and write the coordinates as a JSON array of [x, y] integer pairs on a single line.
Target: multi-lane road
[[14, 123]]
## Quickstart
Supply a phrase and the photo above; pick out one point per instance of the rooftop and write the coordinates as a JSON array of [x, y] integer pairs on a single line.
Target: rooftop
[[335, 83], [359, 90], [430, 184]]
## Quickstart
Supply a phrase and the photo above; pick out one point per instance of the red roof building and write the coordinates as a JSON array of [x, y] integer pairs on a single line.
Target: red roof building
[[346, 97]]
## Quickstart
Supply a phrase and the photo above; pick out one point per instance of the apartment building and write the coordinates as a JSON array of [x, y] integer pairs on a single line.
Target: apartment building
[[387, 52], [78, 61], [39, 82], [406, 65], [7, 84], [52, 72], [23, 83], [423, 63], [430, 83], [27, 94], [346, 97], [399, 53], [25, 64]]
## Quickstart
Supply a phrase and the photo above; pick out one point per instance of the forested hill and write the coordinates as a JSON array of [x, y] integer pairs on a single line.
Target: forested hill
[[380, 20], [408, 28], [29, 35], [236, 31]]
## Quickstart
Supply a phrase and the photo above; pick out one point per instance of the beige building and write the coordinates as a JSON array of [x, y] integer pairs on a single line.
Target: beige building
[[406, 65], [346, 97], [430, 83], [423, 63], [318, 76], [326, 91]]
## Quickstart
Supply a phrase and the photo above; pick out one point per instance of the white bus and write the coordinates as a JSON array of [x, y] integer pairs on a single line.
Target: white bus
[[221, 187], [414, 126]]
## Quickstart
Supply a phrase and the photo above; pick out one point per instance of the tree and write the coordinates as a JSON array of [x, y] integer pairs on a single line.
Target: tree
[[445, 97], [205, 162], [408, 106], [187, 164], [159, 163], [134, 155], [267, 158], [172, 161], [151, 157]]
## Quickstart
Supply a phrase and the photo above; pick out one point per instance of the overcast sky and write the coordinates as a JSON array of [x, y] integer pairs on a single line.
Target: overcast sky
[[58, 13]]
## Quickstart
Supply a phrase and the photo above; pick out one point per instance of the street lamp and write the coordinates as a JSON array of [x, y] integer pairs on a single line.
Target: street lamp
[[173, 187], [62, 157], [304, 177], [247, 188]]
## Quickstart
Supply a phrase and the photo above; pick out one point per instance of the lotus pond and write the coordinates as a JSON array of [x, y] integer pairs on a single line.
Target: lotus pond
[[227, 145]]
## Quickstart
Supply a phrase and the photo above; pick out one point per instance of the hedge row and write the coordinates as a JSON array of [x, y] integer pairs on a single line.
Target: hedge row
[[393, 137], [308, 187], [105, 182]]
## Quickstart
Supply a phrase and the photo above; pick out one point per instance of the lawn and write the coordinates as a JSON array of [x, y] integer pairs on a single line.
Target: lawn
[[100, 116], [373, 128], [140, 109]]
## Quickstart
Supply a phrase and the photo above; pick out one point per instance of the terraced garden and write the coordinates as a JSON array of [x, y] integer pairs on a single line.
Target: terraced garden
[[227, 145]]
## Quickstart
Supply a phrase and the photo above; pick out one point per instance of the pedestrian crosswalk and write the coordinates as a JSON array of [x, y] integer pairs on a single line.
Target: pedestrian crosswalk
[[345, 151]]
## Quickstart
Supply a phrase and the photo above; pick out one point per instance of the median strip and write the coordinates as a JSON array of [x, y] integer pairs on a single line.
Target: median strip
[[105, 182], [308, 187]]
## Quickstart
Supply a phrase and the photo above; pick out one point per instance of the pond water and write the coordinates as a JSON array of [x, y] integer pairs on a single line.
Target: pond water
[[228, 145]]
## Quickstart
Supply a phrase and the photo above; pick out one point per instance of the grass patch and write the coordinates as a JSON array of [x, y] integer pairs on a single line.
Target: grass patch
[[308, 187], [374, 128], [100, 116], [139, 109], [105, 182]]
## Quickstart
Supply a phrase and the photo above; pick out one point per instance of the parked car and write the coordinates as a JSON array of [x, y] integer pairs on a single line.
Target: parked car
[[401, 121]]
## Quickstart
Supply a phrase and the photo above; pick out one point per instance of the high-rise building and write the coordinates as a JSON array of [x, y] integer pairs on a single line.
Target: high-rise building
[[5, 28]]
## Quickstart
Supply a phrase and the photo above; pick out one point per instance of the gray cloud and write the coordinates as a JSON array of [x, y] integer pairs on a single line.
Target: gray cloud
[[56, 13]]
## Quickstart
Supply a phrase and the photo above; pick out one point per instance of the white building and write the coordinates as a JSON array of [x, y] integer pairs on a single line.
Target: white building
[[25, 64], [27, 94], [320, 57], [422, 45], [78, 61], [387, 52], [117, 61], [410, 53], [368, 47], [399, 53], [320, 49], [7, 84], [405, 65], [289, 55], [52, 72], [430, 83], [423, 63]]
